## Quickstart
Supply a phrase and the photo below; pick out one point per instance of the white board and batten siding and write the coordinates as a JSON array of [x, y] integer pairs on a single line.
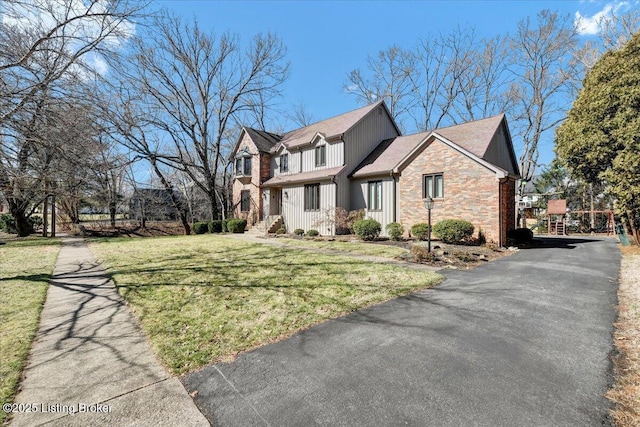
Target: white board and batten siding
[[294, 162], [334, 156], [295, 216], [360, 196], [366, 135]]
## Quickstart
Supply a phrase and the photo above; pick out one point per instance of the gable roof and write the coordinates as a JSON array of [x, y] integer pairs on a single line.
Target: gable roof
[[475, 136], [385, 157], [331, 129], [472, 139], [265, 141]]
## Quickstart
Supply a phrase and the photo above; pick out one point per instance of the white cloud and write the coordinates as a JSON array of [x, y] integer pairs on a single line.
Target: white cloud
[[97, 64], [591, 25], [37, 17]]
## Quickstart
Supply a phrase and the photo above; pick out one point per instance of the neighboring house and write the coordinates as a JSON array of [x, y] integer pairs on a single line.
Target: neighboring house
[[358, 160]]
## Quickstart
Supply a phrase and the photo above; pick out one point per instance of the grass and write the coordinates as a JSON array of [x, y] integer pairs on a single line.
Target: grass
[[626, 390], [205, 298], [23, 286], [360, 248]]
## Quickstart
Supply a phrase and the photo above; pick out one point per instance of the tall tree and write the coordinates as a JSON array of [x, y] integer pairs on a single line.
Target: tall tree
[[48, 48], [390, 80], [194, 86], [599, 140], [543, 70]]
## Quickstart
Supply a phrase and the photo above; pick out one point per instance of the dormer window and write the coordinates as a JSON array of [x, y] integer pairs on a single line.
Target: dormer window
[[321, 157], [243, 163], [284, 163]]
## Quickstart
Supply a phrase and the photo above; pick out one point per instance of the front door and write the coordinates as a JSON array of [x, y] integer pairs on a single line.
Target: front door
[[276, 201]]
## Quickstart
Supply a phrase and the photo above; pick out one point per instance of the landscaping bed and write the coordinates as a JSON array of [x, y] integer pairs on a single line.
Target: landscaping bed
[[444, 255]]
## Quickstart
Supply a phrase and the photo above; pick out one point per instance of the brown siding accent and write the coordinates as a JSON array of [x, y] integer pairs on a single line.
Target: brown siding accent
[[508, 207], [471, 191]]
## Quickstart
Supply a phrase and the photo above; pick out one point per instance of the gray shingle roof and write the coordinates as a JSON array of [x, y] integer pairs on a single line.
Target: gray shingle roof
[[388, 154], [474, 137], [265, 141], [316, 175], [332, 127]]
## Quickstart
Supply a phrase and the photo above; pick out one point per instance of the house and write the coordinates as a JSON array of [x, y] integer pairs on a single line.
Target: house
[[360, 160]]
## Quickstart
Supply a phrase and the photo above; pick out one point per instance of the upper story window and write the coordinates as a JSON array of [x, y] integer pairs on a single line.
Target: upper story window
[[433, 186], [243, 163], [321, 155], [243, 166], [375, 195], [284, 163]]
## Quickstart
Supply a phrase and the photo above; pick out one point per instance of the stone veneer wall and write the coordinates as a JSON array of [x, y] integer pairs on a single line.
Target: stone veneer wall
[[471, 191]]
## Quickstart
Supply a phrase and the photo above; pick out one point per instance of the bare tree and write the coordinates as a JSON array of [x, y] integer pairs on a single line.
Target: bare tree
[[481, 86], [618, 28], [390, 80], [446, 79], [543, 70], [48, 48], [193, 86], [300, 114], [44, 41]]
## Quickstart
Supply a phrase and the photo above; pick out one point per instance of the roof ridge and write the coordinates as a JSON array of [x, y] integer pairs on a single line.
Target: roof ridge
[[501, 115], [370, 106]]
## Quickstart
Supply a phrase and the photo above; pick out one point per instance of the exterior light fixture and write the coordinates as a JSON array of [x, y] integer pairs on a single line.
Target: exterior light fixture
[[428, 204]]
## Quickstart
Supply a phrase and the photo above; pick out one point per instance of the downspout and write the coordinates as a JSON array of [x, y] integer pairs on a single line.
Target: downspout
[[335, 204], [500, 216], [395, 201]]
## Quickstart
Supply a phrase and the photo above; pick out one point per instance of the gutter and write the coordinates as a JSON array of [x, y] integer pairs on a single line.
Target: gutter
[[395, 200]]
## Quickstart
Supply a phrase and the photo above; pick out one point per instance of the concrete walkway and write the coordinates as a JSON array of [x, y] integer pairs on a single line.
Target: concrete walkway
[[90, 363]]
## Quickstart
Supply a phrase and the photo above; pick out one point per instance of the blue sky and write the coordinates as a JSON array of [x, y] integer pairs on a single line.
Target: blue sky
[[328, 39]]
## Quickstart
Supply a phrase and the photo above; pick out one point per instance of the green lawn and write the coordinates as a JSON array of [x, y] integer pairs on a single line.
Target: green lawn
[[205, 298], [25, 269], [361, 248]]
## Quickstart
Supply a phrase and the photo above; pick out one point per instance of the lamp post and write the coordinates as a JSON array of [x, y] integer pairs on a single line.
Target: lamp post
[[428, 204]]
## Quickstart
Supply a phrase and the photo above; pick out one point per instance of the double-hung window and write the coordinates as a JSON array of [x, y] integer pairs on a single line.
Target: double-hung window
[[284, 163], [321, 155], [375, 195], [247, 166], [245, 200], [433, 186], [243, 166], [312, 197]]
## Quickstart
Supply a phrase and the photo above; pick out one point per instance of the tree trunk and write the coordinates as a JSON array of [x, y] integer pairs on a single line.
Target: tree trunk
[[53, 215], [45, 218], [112, 214], [633, 229], [212, 204], [22, 223], [185, 223]]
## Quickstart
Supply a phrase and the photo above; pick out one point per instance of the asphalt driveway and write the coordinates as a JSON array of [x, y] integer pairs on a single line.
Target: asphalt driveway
[[524, 341]]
